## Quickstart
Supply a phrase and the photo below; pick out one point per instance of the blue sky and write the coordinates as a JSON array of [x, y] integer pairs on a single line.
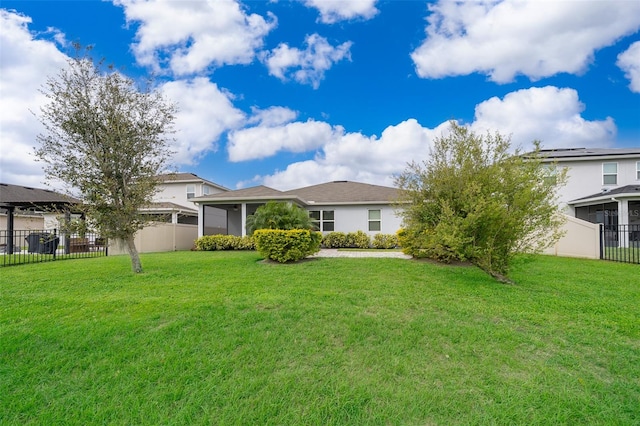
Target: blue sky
[[293, 93]]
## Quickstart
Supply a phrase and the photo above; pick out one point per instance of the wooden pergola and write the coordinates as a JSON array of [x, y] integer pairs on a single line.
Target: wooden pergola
[[16, 196]]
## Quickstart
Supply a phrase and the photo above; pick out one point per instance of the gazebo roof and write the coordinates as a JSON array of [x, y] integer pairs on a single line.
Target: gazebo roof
[[24, 196]]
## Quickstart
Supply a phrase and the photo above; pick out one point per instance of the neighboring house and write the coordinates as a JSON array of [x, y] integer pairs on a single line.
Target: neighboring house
[[335, 206], [175, 217], [172, 203], [603, 184]]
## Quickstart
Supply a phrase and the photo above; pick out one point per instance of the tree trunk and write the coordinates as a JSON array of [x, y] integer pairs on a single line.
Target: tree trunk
[[136, 266]]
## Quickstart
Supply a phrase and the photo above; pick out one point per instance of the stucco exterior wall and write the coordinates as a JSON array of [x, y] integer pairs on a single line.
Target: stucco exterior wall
[[585, 177], [23, 222], [176, 192], [356, 218]]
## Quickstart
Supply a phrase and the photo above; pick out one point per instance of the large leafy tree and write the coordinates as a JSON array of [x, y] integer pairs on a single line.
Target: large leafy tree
[[106, 138], [475, 200], [279, 215]]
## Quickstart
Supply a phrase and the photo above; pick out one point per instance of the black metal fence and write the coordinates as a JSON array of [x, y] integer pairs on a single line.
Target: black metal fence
[[620, 243], [32, 246]]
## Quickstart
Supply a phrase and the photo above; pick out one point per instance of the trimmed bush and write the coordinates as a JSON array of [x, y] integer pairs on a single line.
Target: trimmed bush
[[287, 245], [385, 241], [358, 239], [334, 240], [224, 242]]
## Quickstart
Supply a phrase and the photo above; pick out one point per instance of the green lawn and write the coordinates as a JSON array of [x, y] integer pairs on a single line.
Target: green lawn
[[622, 254], [207, 338]]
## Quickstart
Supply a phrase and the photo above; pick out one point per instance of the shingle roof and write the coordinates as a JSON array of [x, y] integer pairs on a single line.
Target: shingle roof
[[627, 190], [187, 177], [573, 153], [245, 193], [164, 205], [346, 192], [338, 192], [16, 195]]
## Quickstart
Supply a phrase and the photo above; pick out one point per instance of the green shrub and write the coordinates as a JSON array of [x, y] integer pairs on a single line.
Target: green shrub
[[476, 199], [224, 242], [385, 241], [244, 243], [278, 215], [358, 239], [442, 243], [334, 240], [287, 245]]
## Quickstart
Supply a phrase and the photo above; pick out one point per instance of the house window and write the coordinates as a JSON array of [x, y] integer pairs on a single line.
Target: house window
[[205, 190], [374, 220], [315, 218], [610, 173], [550, 174], [191, 191], [323, 220]]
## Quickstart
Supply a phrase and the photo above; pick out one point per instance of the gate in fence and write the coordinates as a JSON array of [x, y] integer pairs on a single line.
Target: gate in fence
[[33, 246], [620, 243]]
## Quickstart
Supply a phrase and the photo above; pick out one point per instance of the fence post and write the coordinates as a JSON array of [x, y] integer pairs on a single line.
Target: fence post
[[601, 241], [10, 230], [55, 249]]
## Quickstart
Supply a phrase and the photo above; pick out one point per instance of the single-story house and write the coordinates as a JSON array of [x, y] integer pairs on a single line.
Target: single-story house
[[340, 206]]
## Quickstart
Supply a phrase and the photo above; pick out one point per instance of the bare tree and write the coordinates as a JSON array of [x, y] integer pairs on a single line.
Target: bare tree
[[106, 139]]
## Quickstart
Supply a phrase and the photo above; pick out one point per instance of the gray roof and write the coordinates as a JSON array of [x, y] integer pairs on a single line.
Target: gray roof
[[167, 206], [243, 194], [576, 153], [338, 192], [188, 177], [627, 190], [346, 192], [16, 195]]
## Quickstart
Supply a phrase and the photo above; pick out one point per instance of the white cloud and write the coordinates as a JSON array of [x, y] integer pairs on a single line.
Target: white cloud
[[194, 35], [356, 157], [25, 63], [506, 38], [264, 141], [629, 62], [205, 113], [273, 116], [549, 114], [306, 66], [332, 11]]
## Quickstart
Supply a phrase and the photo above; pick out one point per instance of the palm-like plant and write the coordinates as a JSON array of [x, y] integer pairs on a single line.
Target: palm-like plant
[[278, 215]]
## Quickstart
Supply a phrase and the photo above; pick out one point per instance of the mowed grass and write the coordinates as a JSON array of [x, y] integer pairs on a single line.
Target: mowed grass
[[207, 338]]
